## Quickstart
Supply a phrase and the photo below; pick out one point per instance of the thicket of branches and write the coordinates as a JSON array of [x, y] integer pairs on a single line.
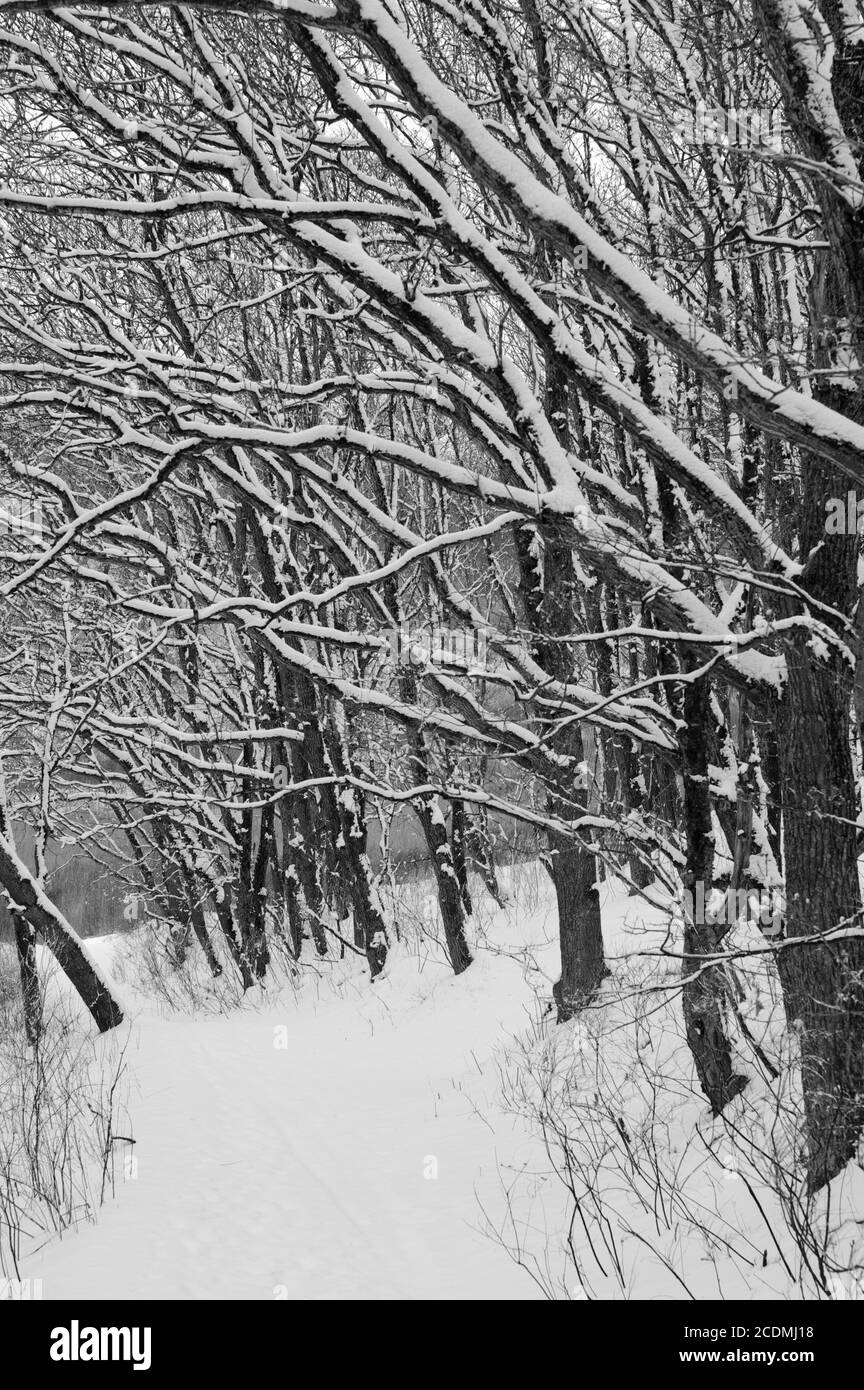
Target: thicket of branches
[[321, 323]]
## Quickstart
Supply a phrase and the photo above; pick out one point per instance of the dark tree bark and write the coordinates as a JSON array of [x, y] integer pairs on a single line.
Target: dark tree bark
[[703, 988], [770, 748], [447, 880], [199, 926], [460, 859], [348, 816], [339, 835], [549, 594], [822, 984], [582, 960], [480, 850], [25, 943], [228, 926], [451, 897], [41, 916]]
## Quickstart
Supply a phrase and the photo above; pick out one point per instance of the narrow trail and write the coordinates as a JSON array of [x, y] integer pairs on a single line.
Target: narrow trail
[[342, 1165]]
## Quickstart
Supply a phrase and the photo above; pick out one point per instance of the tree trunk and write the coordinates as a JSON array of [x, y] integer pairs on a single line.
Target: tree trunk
[[582, 961], [704, 986], [480, 850], [548, 585], [225, 917], [199, 926], [822, 983], [453, 900], [25, 942], [447, 880], [460, 860], [40, 914]]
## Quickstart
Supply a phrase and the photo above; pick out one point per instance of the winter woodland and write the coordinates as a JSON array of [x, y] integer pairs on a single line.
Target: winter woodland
[[431, 444]]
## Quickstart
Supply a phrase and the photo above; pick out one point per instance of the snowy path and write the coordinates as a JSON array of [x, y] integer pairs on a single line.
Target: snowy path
[[303, 1169]]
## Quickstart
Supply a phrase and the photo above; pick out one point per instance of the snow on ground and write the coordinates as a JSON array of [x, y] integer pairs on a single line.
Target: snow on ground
[[328, 1146], [332, 1139]]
